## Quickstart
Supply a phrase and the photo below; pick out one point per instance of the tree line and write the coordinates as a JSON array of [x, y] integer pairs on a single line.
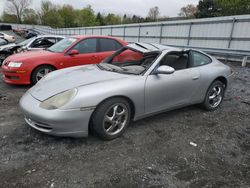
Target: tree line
[[20, 11]]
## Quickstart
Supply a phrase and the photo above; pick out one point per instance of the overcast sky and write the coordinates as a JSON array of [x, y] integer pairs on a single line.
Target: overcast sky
[[138, 7]]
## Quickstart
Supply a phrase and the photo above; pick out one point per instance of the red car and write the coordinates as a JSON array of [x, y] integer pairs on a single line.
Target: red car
[[30, 67]]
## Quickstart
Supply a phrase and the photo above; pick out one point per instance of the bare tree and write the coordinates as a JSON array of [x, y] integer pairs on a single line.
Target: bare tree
[[154, 13], [188, 11], [17, 7]]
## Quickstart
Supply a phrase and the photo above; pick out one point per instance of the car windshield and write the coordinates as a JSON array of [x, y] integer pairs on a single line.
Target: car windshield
[[62, 45], [128, 61], [24, 43]]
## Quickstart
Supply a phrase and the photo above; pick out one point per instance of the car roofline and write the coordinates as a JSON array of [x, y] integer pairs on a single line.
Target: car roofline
[[151, 47], [50, 36]]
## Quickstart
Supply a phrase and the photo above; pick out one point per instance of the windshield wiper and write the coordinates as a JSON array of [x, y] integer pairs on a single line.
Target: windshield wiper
[[107, 67], [110, 66], [104, 66]]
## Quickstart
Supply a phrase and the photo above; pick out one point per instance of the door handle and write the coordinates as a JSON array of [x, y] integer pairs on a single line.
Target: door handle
[[196, 77]]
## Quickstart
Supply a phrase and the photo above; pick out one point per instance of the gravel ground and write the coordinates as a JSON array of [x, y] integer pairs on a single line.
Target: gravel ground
[[154, 152]]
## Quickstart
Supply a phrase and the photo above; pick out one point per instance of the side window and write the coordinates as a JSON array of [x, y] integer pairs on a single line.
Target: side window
[[86, 46], [36, 43], [43, 43], [50, 41], [178, 61], [109, 45], [199, 59]]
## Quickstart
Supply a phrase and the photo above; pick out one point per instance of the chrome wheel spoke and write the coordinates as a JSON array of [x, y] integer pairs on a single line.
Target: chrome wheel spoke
[[115, 119], [115, 110], [215, 97], [108, 119], [46, 71], [42, 73], [212, 97], [39, 76], [121, 113], [111, 128], [218, 92]]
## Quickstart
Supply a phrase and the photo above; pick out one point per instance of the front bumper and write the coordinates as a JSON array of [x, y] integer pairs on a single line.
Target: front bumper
[[15, 76], [68, 123]]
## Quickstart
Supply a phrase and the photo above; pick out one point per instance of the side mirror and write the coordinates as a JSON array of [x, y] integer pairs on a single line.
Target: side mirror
[[164, 69], [73, 52]]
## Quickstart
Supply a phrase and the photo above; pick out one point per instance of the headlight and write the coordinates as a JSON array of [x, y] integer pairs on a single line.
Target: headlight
[[14, 64], [58, 100]]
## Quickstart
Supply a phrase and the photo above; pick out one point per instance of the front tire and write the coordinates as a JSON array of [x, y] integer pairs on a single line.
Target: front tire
[[40, 72], [111, 118], [214, 96]]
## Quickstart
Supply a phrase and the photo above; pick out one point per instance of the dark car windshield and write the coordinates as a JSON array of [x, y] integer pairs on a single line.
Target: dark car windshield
[[128, 61], [62, 45]]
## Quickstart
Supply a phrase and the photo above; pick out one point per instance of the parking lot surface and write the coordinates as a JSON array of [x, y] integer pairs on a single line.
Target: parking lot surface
[[189, 147]]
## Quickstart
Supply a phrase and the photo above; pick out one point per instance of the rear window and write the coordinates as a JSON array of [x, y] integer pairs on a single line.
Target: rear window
[[109, 45], [200, 59]]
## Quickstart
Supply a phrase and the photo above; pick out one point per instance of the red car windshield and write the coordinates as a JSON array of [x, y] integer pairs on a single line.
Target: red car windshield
[[62, 45]]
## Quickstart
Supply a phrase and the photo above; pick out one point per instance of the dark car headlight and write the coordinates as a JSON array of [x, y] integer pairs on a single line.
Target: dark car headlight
[[58, 100]]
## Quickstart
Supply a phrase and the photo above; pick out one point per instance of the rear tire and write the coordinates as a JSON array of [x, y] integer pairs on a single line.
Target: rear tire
[[214, 96], [111, 118], [40, 72]]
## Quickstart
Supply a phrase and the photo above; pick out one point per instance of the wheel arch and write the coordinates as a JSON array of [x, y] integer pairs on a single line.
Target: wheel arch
[[45, 64], [221, 79], [129, 100]]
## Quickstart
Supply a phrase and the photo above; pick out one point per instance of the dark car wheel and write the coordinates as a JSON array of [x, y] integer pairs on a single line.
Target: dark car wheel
[[40, 72], [111, 118], [214, 96]]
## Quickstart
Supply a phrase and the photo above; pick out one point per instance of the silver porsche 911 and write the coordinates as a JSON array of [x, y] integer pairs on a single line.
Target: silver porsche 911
[[135, 82]]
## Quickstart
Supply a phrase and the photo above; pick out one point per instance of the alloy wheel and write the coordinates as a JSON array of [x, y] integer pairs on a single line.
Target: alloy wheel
[[115, 119], [41, 73], [215, 96]]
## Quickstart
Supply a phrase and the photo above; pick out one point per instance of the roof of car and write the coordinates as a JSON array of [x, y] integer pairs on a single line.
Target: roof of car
[[151, 47], [50, 36], [92, 36]]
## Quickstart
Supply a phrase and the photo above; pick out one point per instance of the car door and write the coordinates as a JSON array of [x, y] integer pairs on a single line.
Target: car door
[[166, 91], [87, 53]]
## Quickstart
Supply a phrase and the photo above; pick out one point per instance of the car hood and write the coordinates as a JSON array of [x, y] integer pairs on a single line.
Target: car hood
[[7, 46], [31, 55], [65, 79]]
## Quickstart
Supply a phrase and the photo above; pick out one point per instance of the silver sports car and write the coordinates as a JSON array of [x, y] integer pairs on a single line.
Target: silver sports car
[[135, 82]]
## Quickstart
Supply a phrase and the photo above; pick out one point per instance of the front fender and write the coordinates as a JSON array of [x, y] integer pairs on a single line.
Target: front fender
[[92, 95]]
